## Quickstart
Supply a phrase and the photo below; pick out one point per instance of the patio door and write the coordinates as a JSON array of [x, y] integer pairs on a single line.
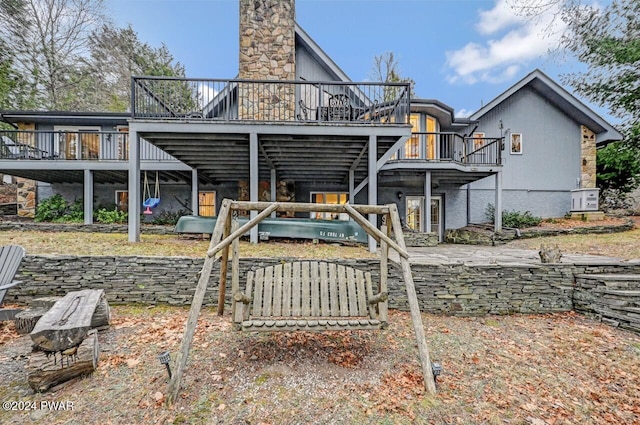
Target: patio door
[[77, 142], [415, 214]]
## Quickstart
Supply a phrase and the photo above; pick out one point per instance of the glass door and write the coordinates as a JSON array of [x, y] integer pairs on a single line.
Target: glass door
[[436, 215], [414, 212]]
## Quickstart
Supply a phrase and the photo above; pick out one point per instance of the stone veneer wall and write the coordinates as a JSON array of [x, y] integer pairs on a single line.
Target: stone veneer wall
[[267, 52], [443, 289], [26, 197], [588, 158]]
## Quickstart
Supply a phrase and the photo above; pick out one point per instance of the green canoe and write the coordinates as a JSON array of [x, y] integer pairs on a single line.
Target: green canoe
[[291, 228]]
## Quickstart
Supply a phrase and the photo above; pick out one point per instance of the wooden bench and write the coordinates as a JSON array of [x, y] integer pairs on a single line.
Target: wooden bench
[[309, 296]]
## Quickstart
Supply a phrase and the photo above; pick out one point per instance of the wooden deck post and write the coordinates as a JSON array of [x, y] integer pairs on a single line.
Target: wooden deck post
[[416, 317], [196, 305]]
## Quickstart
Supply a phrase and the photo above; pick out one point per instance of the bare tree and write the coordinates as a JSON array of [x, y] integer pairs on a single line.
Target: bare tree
[[386, 69], [50, 39]]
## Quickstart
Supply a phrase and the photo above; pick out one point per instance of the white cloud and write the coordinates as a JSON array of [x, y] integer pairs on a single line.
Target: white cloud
[[463, 113], [498, 18], [515, 42]]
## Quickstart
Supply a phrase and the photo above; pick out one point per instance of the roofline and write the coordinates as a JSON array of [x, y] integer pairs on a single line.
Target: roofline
[[609, 134], [10, 116], [322, 55]]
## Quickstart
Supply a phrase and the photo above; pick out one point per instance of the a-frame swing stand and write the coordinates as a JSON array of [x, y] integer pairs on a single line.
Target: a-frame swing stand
[[226, 234]]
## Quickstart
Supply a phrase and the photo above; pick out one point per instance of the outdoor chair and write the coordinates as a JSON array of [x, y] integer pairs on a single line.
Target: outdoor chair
[[10, 258]]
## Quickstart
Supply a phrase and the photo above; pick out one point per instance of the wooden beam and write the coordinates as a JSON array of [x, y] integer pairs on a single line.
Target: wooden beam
[[416, 317], [306, 207], [196, 305], [242, 230], [374, 232]]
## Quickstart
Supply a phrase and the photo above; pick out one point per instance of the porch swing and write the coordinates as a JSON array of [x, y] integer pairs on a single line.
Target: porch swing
[[150, 202], [303, 295]]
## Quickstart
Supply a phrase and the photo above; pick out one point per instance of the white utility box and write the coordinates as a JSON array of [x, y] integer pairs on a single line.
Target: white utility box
[[584, 200]]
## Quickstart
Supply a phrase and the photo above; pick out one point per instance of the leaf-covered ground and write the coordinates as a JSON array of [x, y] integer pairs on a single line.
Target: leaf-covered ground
[[545, 369]]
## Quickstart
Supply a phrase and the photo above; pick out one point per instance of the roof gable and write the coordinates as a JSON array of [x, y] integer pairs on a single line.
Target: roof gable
[[563, 100], [319, 55]]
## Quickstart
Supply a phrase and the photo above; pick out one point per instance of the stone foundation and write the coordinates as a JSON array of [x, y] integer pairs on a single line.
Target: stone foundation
[[420, 239]]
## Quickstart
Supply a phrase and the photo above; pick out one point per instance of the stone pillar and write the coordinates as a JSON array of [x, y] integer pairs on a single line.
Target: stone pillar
[[267, 52], [588, 159], [26, 197]]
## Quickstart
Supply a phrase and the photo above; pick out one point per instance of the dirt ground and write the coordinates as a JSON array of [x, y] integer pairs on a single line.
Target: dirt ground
[[543, 369]]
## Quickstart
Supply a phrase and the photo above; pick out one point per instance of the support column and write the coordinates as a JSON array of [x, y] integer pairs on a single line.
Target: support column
[[373, 185], [88, 197], [427, 202], [195, 193], [254, 176], [134, 186], [352, 185], [498, 209], [273, 189]]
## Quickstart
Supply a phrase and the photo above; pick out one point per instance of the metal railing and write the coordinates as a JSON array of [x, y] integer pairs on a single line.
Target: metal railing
[[452, 147], [74, 145], [170, 98]]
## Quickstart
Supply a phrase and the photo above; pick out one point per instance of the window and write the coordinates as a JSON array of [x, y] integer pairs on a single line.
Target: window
[[207, 204], [477, 153], [478, 141], [431, 138], [122, 200], [516, 143], [412, 146], [414, 212], [329, 198]]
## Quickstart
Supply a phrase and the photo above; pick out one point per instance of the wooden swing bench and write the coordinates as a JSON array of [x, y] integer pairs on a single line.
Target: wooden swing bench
[[303, 295], [309, 296]]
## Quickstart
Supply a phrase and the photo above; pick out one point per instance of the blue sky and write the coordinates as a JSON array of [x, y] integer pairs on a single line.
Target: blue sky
[[461, 52]]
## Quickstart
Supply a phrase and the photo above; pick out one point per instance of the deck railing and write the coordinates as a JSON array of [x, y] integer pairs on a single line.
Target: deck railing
[[452, 147], [169, 98], [74, 145]]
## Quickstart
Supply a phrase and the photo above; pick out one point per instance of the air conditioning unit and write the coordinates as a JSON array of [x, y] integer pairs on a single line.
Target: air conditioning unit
[[584, 200]]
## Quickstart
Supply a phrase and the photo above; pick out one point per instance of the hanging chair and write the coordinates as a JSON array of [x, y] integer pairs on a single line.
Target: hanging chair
[[150, 202]]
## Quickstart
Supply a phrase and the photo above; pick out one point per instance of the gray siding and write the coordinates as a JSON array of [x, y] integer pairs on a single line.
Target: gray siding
[[551, 144], [308, 68]]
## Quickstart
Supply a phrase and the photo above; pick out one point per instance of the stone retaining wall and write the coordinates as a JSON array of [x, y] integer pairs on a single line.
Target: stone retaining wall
[[84, 228], [612, 299], [442, 289], [484, 235]]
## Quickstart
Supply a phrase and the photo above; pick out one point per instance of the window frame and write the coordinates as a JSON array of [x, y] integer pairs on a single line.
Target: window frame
[[512, 139], [328, 215]]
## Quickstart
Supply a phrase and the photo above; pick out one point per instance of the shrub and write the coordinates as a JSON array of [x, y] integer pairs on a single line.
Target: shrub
[[57, 209], [75, 212], [51, 209], [106, 216], [514, 219]]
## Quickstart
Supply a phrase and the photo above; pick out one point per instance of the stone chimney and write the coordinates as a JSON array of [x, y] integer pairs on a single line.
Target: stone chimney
[[588, 159], [267, 52]]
